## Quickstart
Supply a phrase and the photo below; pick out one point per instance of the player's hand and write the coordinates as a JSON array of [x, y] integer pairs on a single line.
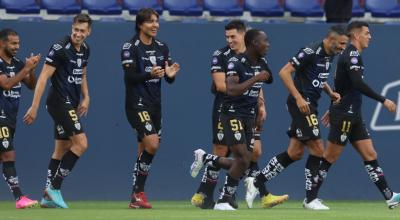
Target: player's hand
[[335, 97], [172, 70], [390, 105], [263, 76], [303, 106], [32, 61], [325, 119], [157, 72], [30, 115], [83, 107], [261, 116]]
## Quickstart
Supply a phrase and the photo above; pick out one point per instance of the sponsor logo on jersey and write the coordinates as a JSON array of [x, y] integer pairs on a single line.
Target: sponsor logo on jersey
[[354, 60], [215, 60], [231, 66]]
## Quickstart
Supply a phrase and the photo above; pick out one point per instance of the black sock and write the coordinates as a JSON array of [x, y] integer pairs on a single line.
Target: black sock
[[253, 169], [51, 170], [323, 171], [66, 165], [376, 175], [142, 168], [312, 177], [209, 181], [274, 167], [10, 175], [211, 160], [229, 189]]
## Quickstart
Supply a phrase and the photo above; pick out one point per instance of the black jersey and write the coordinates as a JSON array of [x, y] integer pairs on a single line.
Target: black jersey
[[349, 83], [245, 104], [9, 99], [219, 63], [312, 66], [137, 61], [69, 63]]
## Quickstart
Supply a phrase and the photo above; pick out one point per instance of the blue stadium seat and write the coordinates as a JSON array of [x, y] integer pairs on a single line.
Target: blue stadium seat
[[223, 7], [183, 7], [357, 10], [21, 6], [386, 8], [304, 8], [133, 6], [61, 6], [266, 8], [102, 7]]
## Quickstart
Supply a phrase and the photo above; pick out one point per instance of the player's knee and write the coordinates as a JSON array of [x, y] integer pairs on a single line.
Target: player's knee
[[296, 154], [331, 158], [256, 154], [220, 150]]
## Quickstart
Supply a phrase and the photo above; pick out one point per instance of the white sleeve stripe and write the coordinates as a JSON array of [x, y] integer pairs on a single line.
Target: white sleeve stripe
[[48, 59], [127, 61]]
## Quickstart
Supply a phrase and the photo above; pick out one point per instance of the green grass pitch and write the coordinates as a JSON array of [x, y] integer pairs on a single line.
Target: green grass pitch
[[173, 210]]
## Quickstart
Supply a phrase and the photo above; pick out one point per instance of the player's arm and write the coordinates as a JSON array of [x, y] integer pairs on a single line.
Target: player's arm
[[334, 95], [219, 81], [30, 80], [84, 105], [46, 73], [30, 64], [171, 68], [262, 112], [359, 84], [286, 76], [234, 88]]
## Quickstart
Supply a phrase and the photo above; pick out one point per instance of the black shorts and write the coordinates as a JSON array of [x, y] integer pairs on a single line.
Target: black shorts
[[303, 127], [217, 129], [6, 137], [238, 130], [345, 126], [66, 119], [145, 121]]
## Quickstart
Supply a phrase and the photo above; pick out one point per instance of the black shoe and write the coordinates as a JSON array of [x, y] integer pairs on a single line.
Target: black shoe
[[208, 204]]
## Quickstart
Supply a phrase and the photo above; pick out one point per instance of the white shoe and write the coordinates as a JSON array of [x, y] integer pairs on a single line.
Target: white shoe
[[251, 191], [316, 204], [224, 207], [394, 201], [197, 163]]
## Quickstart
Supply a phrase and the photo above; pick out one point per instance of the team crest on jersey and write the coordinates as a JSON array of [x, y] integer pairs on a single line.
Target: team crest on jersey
[[153, 60], [78, 126], [148, 126], [238, 136], [231, 65], [5, 143], [343, 137], [220, 135], [79, 62], [315, 131]]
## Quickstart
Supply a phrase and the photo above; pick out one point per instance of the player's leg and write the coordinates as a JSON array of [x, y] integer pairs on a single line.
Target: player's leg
[[311, 171], [366, 149]]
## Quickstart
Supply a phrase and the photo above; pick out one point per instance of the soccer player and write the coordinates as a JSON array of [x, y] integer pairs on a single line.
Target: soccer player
[[311, 66], [145, 61], [65, 65], [345, 118], [234, 35], [245, 75], [13, 71]]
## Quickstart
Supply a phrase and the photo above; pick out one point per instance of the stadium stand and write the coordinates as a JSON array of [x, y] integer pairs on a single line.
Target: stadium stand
[[304, 8], [223, 7], [102, 7], [386, 8], [21, 6], [133, 6], [265, 8], [61, 6], [183, 7], [358, 10]]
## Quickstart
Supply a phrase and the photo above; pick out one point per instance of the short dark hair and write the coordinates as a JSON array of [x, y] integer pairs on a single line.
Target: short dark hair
[[4, 33], [338, 29], [144, 15], [356, 25], [236, 24], [83, 18], [250, 36]]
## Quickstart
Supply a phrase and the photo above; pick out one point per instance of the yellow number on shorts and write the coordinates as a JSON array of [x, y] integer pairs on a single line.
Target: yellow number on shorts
[[346, 126], [4, 132], [73, 115], [236, 125], [144, 116], [312, 120]]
